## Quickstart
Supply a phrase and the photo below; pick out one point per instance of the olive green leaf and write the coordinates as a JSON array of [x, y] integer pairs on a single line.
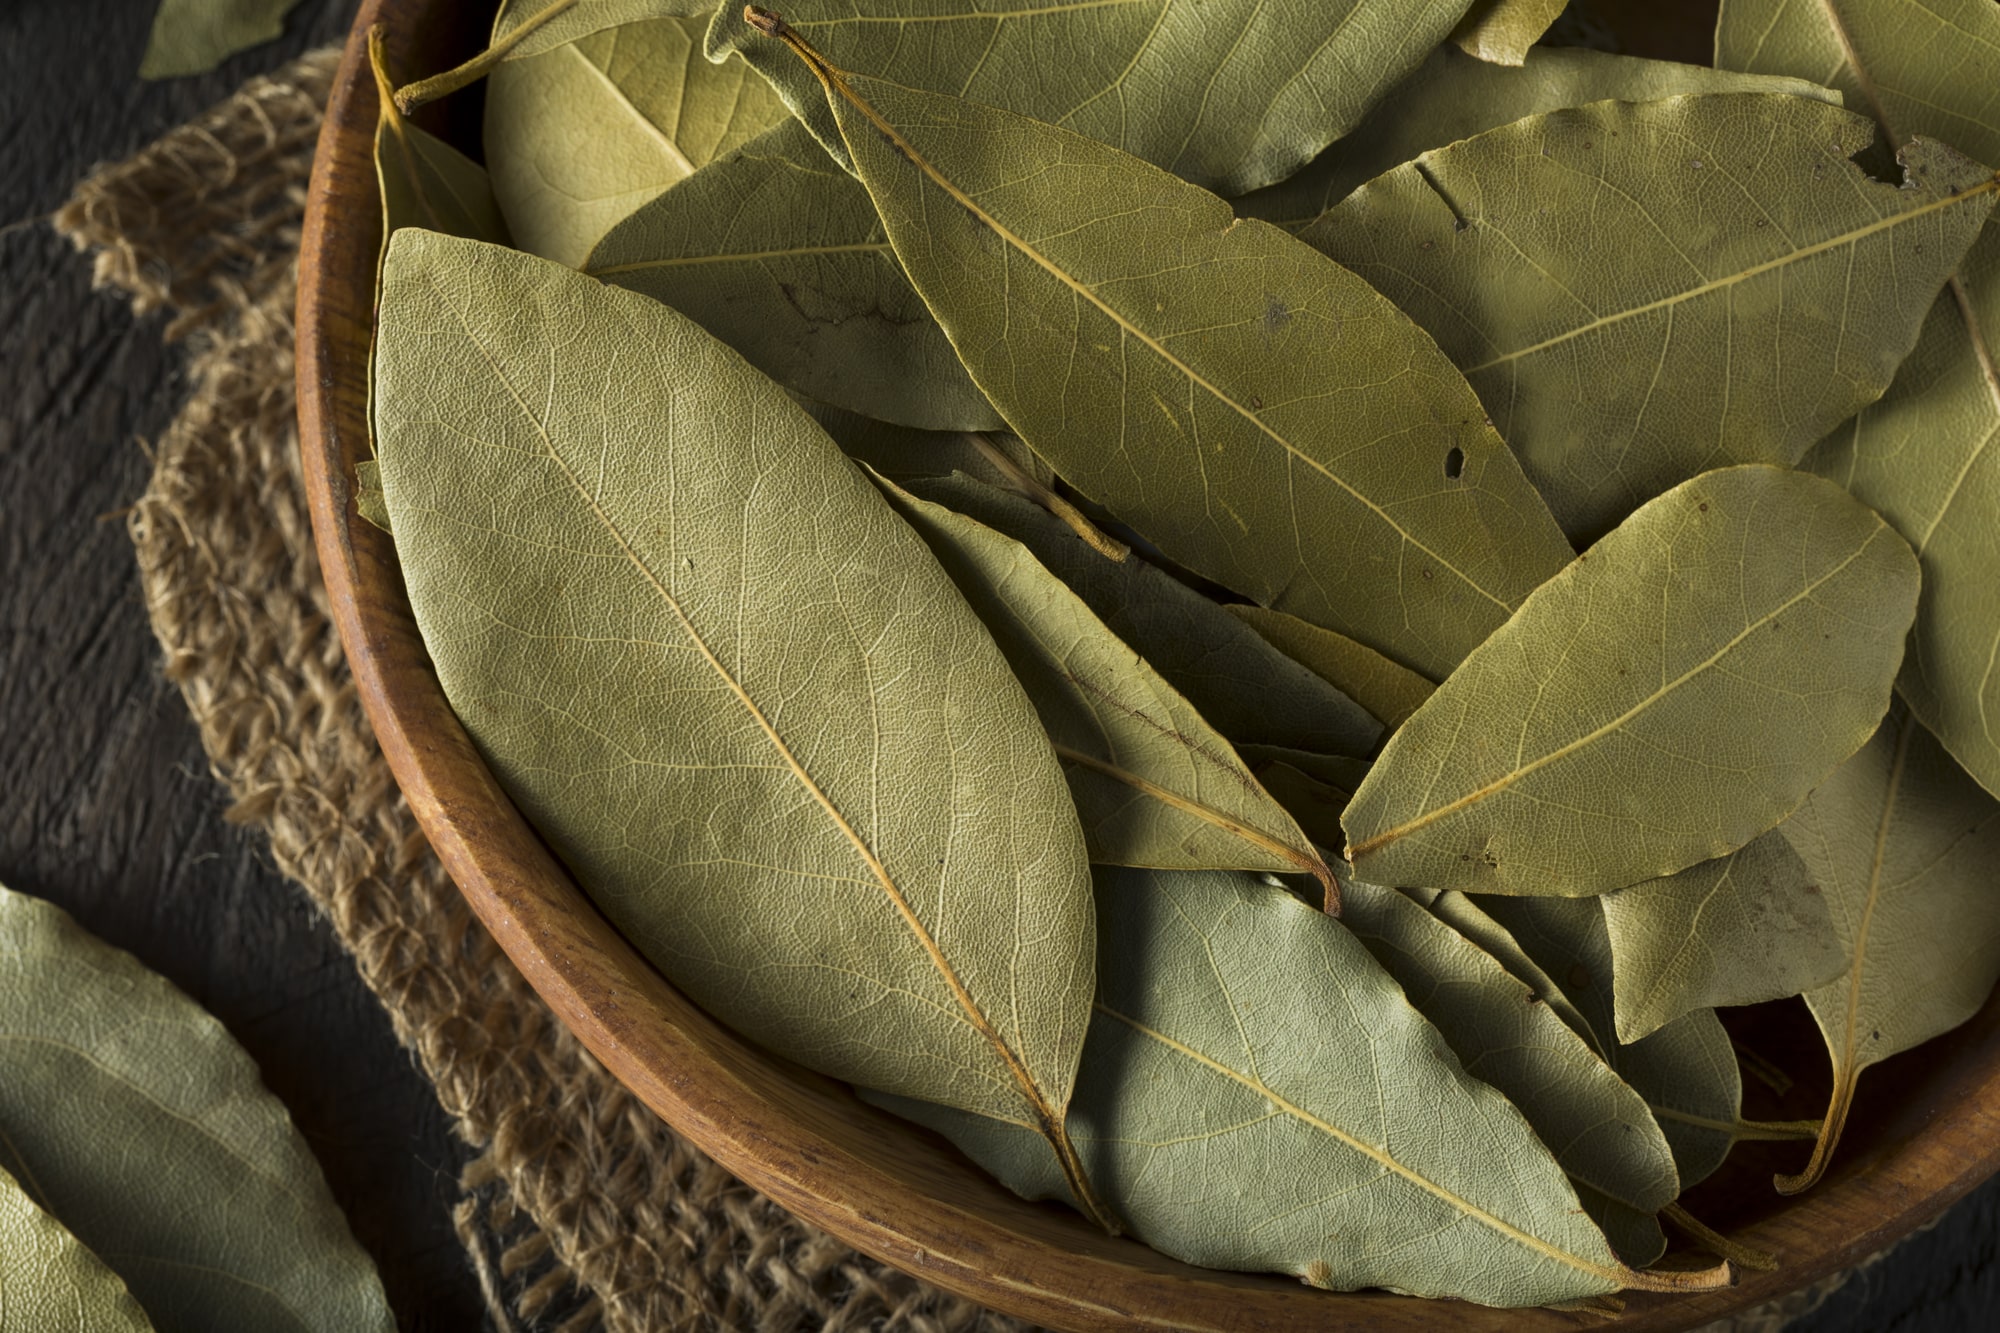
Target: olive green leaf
[[131, 1115], [1671, 695], [729, 685], [1905, 845], [1686, 1071], [1389, 691], [1927, 455], [425, 182], [1501, 31], [1741, 929], [524, 29], [1452, 96], [1154, 784], [1774, 292], [904, 453], [580, 136], [194, 36], [1245, 688], [778, 252], [1267, 419], [368, 501], [1341, 772], [49, 1282], [1228, 94], [1601, 1132], [1250, 1115], [1471, 920]]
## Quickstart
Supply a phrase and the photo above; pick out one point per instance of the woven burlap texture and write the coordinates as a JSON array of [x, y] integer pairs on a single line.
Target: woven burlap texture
[[581, 1209]]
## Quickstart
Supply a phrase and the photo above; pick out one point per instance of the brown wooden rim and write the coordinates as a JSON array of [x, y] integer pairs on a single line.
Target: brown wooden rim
[[896, 1193]]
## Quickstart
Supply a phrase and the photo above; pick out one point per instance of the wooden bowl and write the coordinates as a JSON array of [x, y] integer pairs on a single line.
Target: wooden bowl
[[1925, 1136]]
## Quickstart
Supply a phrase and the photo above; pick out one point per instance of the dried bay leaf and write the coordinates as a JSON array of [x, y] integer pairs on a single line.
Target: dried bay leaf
[[1741, 929], [1452, 96], [194, 36], [715, 669], [524, 29], [582, 135], [1671, 695], [1228, 94], [1501, 31], [1389, 691], [1251, 1114], [1245, 688], [1774, 295], [424, 181], [1601, 1132], [1904, 844], [778, 252], [50, 1282], [1314, 804], [1154, 784], [137, 1120], [1927, 455], [1266, 418]]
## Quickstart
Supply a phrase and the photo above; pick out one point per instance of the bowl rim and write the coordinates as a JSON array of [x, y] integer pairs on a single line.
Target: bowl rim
[[806, 1141]]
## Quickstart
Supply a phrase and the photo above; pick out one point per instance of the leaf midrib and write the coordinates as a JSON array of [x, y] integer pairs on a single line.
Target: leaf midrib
[[739, 257], [838, 81], [1508, 779]]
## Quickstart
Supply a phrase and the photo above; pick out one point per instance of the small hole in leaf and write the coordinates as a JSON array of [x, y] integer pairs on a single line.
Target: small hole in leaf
[[1454, 463]]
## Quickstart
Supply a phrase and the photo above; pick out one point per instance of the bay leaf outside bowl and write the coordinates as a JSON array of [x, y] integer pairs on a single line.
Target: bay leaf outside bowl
[[1923, 1134]]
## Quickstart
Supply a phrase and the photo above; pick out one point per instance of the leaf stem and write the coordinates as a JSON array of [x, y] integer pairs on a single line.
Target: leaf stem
[[413, 95], [1093, 536], [1746, 1256]]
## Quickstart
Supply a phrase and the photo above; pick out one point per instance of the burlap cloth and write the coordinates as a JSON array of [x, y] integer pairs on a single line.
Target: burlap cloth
[[581, 1209]]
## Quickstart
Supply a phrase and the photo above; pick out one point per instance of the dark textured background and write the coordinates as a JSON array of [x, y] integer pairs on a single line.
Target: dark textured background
[[105, 803]]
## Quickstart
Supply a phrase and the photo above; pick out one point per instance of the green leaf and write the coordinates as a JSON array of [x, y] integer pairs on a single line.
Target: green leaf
[[131, 1115], [778, 252], [1154, 784], [1601, 1132], [1501, 31], [49, 1282], [1389, 691], [424, 181], [1928, 454], [194, 36], [1228, 94], [1245, 688], [1452, 96], [1264, 417], [1674, 693], [1282, 1107], [1760, 289], [1741, 929], [580, 136], [368, 501], [729, 685], [1905, 845]]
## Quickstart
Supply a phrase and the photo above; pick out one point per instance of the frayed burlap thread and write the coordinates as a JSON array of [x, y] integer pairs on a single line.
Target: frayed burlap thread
[[581, 1210]]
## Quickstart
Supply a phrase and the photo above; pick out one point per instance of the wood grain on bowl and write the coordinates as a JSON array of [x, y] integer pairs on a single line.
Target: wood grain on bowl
[[889, 1189]]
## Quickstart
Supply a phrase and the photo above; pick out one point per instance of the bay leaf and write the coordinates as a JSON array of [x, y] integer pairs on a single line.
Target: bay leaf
[[194, 36], [1904, 844], [1501, 31], [1777, 291], [1925, 455], [580, 136], [1249, 1115], [1314, 804], [424, 181], [1245, 688], [1341, 772], [1472, 921], [1154, 784], [1453, 96], [137, 1120], [1266, 418], [778, 252], [714, 668], [1741, 929], [50, 1282], [1671, 695], [1600, 1131], [1227, 94], [523, 29], [1389, 691]]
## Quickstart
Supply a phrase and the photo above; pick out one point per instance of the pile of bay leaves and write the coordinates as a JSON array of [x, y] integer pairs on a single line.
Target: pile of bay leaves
[[1253, 610]]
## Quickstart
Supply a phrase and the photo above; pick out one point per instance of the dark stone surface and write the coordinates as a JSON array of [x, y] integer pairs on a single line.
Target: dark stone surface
[[105, 804], [106, 807]]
